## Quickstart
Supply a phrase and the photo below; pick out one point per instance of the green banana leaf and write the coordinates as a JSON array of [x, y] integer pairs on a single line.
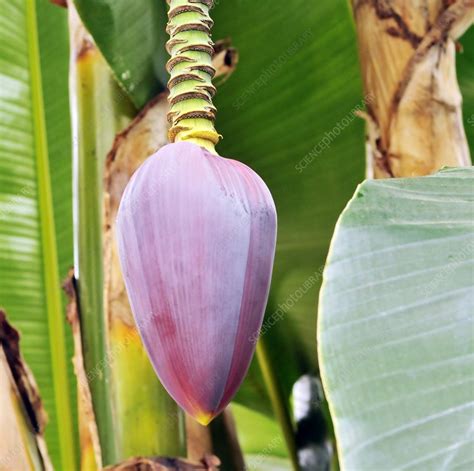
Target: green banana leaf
[[396, 331], [131, 36], [35, 205]]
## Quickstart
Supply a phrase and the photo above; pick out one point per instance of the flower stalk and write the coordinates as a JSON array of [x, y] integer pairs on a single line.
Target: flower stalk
[[192, 112]]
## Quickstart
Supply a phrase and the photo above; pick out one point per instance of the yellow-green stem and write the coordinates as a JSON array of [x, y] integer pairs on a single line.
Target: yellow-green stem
[[192, 113]]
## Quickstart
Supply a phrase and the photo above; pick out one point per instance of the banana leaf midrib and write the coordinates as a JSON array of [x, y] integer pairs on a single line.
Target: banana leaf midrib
[[53, 302]]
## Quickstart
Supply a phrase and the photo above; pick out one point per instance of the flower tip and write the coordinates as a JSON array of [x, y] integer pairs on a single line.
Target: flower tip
[[204, 418]]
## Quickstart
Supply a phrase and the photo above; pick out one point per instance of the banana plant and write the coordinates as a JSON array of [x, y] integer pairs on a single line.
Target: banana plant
[[290, 110]]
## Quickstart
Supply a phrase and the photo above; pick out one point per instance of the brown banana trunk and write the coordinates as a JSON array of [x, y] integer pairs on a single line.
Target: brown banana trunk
[[22, 417], [414, 118]]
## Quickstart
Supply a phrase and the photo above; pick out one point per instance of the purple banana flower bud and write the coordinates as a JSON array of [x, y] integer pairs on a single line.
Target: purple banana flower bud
[[196, 235]]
